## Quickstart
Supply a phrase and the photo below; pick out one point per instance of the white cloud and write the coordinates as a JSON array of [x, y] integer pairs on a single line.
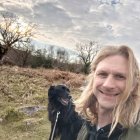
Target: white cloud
[[65, 22]]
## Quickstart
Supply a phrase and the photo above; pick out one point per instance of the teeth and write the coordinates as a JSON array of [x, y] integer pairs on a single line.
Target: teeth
[[109, 94]]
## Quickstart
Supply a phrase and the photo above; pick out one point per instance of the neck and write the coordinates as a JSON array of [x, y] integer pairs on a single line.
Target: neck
[[104, 117]]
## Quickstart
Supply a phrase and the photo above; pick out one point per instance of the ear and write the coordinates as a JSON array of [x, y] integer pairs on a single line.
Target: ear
[[51, 87], [50, 90], [67, 88]]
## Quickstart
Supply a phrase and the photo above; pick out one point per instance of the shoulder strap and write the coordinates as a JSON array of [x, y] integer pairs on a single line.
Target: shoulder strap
[[83, 133]]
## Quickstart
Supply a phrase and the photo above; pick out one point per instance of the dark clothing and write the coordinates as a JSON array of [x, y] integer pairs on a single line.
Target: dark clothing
[[89, 132], [102, 133]]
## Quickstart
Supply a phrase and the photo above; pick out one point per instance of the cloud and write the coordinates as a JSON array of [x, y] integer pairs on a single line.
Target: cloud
[[52, 15], [66, 22]]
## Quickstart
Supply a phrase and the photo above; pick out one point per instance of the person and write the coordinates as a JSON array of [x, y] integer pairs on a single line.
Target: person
[[110, 103]]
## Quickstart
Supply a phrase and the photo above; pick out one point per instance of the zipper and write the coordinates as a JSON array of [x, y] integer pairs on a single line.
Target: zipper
[[98, 133]]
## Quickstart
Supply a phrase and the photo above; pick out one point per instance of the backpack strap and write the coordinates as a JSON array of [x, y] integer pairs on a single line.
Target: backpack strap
[[83, 133]]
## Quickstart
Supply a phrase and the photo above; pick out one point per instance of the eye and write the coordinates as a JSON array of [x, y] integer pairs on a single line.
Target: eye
[[102, 74], [120, 77]]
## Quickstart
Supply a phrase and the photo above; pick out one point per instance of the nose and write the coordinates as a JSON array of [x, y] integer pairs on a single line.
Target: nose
[[109, 82]]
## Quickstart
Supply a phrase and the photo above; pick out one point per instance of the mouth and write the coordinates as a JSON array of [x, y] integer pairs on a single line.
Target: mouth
[[64, 101], [109, 94]]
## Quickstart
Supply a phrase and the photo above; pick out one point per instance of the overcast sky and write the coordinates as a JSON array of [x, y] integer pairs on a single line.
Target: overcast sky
[[66, 22]]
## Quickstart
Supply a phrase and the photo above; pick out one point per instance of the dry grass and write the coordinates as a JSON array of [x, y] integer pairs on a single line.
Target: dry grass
[[52, 76], [28, 87]]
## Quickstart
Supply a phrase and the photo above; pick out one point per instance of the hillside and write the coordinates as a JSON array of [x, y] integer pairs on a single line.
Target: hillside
[[23, 100]]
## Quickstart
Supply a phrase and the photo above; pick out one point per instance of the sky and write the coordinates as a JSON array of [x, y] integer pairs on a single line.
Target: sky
[[65, 23]]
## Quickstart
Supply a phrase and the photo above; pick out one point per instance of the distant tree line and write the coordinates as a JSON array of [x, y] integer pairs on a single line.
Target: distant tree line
[[16, 49], [60, 58], [53, 58]]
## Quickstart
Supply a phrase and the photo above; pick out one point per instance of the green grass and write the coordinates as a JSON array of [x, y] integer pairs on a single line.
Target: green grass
[[20, 87]]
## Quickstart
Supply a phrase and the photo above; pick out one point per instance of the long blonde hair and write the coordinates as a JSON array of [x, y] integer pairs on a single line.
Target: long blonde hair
[[127, 111]]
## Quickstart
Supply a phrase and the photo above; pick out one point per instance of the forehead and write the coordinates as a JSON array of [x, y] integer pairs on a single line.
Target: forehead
[[115, 63]]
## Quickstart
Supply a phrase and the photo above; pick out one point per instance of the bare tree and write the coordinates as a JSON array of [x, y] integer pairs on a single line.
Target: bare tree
[[86, 53], [62, 55], [12, 33], [25, 54], [51, 52], [62, 58]]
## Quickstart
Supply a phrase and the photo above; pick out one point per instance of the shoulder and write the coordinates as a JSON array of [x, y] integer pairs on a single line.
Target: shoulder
[[83, 133], [132, 133]]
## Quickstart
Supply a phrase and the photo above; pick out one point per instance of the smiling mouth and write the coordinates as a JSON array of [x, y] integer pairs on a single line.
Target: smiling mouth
[[109, 94], [64, 101]]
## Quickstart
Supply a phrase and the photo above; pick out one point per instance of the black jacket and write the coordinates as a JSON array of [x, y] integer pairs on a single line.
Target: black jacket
[[89, 132]]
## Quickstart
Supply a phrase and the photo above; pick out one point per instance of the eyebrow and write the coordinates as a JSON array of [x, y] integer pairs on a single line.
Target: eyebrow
[[115, 73]]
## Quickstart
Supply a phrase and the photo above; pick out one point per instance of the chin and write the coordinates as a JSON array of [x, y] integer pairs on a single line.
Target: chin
[[107, 106]]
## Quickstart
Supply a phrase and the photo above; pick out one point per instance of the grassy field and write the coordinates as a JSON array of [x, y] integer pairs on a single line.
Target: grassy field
[[26, 88]]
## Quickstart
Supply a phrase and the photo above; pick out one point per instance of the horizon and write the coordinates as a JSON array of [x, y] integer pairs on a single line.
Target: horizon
[[65, 23]]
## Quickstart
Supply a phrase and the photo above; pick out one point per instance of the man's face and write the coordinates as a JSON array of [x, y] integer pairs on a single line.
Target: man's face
[[110, 80]]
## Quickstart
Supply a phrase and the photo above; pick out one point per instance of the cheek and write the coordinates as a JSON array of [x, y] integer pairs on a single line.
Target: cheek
[[122, 86], [97, 82]]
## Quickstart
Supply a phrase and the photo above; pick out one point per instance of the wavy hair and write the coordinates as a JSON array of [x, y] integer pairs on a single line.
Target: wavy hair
[[127, 110]]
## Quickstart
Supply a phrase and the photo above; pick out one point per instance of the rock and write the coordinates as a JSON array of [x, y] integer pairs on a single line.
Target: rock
[[30, 110]]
